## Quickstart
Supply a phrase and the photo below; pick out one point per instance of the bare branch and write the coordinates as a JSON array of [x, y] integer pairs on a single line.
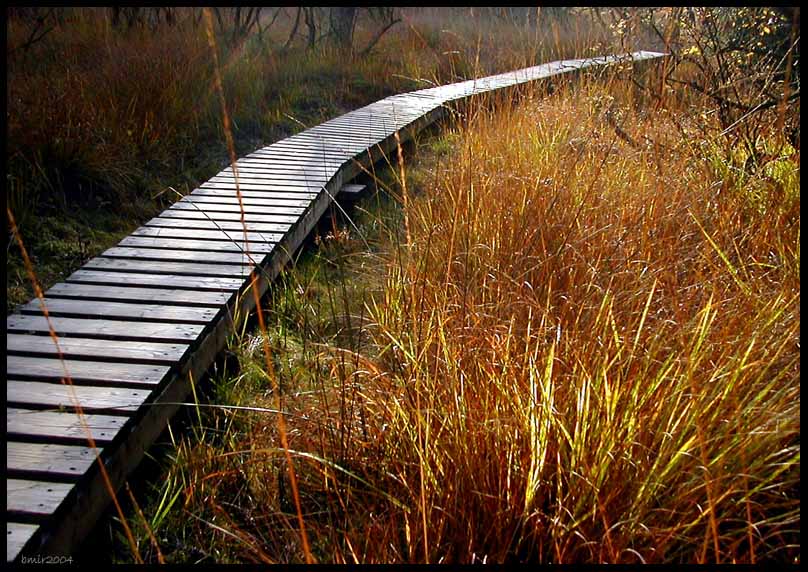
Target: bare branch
[[378, 37]]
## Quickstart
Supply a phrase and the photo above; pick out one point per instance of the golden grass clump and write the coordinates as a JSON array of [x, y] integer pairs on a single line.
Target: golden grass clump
[[584, 348], [591, 349]]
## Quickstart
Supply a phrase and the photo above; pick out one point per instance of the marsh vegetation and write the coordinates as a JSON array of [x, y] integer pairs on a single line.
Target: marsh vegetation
[[563, 328]]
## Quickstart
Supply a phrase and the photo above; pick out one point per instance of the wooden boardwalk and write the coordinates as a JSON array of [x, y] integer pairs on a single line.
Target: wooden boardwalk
[[139, 322]]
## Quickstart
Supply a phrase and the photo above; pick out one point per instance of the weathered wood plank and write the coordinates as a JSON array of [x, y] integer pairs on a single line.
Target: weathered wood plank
[[105, 329], [320, 148], [350, 132], [262, 178], [255, 248], [249, 211], [208, 224], [300, 200], [352, 189], [114, 350], [268, 159], [393, 113], [286, 172], [342, 134], [213, 283], [271, 184], [17, 536], [48, 460], [35, 498], [173, 268], [296, 144], [354, 127], [239, 258], [301, 194], [194, 234], [358, 124], [287, 180], [295, 185], [343, 142], [62, 426], [164, 296], [122, 311], [40, 395], [277, 150], [96, 372]]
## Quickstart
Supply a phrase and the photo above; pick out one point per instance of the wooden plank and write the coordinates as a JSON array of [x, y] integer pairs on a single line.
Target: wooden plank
[[351, 131], [194, 234], [279, 181], [352, 189], [276, 153], [264, 178], [361, 123], [36, 499], [261, 179], [390, 105], [174, 268], [249, 217], [213, 283], [315, 175], [185, 255], [250, 212], [302, 194], [320, 146], [270, 158], [209, 224], [302, 144], [347, 131], [342, 142], [394, 114], [285, 176], [376, 123], [48, 460], [122, 311], [105, 329], [255, 248], [351, 134], [279, 150], [95, 372], [285, 185], [300, 200], [266, 163], [62, 426], [115, 350], [289, 180], [34, 394], [397, 109], [17, 536], [402, 115], [163, 296]]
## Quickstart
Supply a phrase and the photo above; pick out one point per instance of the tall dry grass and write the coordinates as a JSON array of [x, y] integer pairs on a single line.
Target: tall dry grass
[[592, 350], [582, 345]]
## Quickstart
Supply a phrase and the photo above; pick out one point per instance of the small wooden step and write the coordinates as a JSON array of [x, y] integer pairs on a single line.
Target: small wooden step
[[352, 189]]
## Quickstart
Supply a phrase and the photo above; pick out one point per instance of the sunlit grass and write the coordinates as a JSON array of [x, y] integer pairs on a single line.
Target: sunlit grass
[[580, 350]]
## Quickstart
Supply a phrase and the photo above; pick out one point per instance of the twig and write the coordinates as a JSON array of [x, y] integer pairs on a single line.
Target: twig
[[378, 37]]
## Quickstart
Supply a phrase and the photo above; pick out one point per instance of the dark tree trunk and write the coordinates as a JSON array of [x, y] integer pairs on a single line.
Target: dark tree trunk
[[343, 21]]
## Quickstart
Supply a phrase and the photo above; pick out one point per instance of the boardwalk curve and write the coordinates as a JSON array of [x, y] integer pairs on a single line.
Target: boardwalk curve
[[137, 324]]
